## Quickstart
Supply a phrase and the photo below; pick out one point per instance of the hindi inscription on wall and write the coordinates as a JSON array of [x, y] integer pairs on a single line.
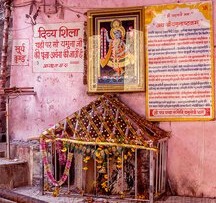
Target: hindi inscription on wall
[[179, 60], [20, 52], [179, 55], [58, 47]]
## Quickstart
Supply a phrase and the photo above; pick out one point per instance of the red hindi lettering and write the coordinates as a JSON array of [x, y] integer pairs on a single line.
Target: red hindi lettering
[[66, 53], [68, 44], [81, 53], [45, 55], [37, 54], [42, 32], [55, 44], [73, 32], [20, 49], [19, 58], [63, 31], [79, 42], [40, 45], [56, 54], [51, 33], [48, 44]]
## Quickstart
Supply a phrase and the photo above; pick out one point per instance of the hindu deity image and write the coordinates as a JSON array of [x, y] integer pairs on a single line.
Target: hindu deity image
[[115, 49]]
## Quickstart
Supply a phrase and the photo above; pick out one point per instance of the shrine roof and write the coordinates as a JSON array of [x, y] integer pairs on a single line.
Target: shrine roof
[[107, 120]]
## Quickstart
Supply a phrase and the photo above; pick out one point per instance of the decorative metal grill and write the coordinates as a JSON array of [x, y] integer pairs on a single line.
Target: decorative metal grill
[[120, 153]]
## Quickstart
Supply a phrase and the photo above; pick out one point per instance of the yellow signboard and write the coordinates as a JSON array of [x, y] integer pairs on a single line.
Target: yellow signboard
[[179, 62]]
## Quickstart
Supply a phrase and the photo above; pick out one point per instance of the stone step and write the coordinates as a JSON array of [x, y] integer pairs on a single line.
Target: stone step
[[16, 173], [18, 198], [2, 200]]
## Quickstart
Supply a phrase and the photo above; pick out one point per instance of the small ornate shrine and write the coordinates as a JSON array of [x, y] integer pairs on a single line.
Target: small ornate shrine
[[105, 149]]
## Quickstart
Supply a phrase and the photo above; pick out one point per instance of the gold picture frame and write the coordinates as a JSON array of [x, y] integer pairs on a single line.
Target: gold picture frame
[[115, 50]]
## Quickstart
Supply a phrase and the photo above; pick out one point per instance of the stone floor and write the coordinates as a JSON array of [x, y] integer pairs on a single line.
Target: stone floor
[[176, 199], [35, 192]]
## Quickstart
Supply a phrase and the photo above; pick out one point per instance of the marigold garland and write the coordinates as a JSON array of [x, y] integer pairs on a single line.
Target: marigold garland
[[47, 167], [100, 149]]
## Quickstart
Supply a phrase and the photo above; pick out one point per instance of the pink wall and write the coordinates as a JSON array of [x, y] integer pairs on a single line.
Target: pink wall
[[191, 157]]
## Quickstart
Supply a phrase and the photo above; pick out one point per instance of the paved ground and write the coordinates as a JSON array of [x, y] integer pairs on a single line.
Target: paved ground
[[175, 199], [35, 192]]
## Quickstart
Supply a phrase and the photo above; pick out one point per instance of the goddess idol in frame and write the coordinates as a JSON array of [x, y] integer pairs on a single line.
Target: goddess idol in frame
[[115, 50]]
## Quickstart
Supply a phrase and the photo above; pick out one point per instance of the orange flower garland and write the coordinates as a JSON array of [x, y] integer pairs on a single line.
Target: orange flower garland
[[47, 168]]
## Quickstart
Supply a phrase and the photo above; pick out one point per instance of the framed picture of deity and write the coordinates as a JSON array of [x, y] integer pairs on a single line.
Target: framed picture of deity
[[115, 50]]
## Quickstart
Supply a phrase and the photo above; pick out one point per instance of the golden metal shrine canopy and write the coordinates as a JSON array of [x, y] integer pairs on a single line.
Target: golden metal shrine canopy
[[121, 153], [107, 120]]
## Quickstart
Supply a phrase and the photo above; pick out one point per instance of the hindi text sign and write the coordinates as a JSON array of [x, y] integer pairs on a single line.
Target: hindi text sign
[[20, 52], [179, 55], [58, 47]]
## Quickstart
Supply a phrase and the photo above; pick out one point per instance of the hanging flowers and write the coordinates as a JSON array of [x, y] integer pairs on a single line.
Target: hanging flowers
[[105, 137], [47, 167]]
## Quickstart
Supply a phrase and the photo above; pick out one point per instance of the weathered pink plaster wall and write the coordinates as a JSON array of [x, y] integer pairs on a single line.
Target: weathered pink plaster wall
[[191, 156]]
